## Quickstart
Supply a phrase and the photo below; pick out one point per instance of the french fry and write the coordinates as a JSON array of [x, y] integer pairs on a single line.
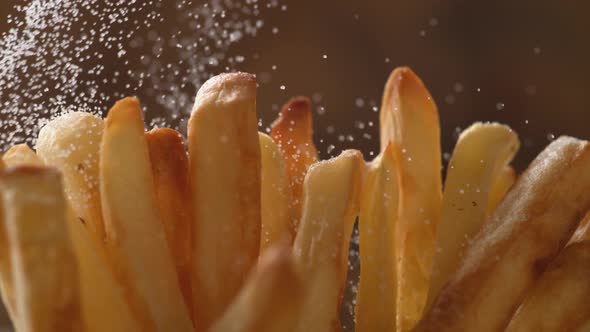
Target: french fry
[[224, 155], [529, 227], [103, 298], [45, 273], [277, 213], [331, 203], [582, 233], [71, 143], [271, 298], [559, 299], [376, 307], [2, 166], [479, 158], [500, 188], [136, 240], [293, 133], [171, 177], [409, 120], [18, 155], [6, 279], [21, 155]]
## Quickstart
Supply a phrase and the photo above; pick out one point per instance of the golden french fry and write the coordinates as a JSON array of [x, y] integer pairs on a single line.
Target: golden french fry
[[6, 279], [2, 166], [559, 299], [71, 143], [409, 120], [271, 298], [481, 154], [103, 298], [526, 231], [136, 239], [331, 203], [21, 155], [45, 273], [224, 155], [18, 155], [500, 188], [582, 233], [376, 307], [171, 177], [277, 213], [293, 133]]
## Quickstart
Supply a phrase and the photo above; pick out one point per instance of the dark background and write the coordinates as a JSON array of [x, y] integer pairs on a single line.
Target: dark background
[[523, 63]]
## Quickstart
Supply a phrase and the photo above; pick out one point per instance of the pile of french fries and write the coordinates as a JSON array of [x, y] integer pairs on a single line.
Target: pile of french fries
[[107, 227]]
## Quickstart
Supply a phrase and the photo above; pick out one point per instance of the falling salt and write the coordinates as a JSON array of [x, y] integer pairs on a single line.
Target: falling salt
[[359, 102], [500, 106], [56, 56]]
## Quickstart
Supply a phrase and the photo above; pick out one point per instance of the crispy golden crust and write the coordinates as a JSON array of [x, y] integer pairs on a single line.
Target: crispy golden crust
[[526, 231], [170, 167], [293, 133]]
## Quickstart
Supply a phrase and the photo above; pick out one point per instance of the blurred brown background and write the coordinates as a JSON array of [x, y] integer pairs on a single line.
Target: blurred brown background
[[524, 63]]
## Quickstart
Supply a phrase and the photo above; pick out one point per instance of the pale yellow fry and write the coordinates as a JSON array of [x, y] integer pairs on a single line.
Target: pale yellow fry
[[173, 190], [527, 230], [21, 155], [45, 272], [331, 202], [271, 298], [103, 297], [481, 154], [409, 120], [136, 239], [376, 307], [582, 233], [500, 188], [559, 299], [277, 213], [224, 155], [18, 155], [71, 143]]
